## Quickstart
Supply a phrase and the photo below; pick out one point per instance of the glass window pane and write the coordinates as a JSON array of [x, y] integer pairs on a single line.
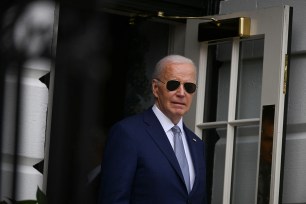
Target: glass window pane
[[250, 79], [216, 142], [245, 164], [217, 82], [266, 148]]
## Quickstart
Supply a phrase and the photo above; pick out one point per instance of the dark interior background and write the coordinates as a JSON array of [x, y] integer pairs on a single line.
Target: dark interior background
[[102, 67], [103, 54], [100, 70]]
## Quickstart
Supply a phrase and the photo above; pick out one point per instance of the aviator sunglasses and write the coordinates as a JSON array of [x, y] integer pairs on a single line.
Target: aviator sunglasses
[[174, 84]]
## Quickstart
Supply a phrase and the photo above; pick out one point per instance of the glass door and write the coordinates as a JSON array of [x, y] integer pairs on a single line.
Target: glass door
[[240, 104]]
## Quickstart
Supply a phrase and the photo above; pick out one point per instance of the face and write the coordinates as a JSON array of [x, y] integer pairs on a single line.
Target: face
[[174, 104]]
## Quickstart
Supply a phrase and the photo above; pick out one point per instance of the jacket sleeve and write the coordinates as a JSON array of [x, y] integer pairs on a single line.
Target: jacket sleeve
[[118, 167]]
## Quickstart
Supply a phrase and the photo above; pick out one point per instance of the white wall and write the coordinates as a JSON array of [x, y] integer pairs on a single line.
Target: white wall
[[294, 187]]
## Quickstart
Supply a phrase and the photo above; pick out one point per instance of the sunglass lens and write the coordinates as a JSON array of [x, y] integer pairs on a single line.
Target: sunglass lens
[[172, 85], [190, 87]]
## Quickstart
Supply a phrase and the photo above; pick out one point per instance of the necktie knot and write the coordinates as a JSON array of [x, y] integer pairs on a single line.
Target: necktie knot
[[176, 129]]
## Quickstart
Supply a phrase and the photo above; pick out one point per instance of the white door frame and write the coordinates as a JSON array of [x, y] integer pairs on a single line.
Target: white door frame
[[273, 23]]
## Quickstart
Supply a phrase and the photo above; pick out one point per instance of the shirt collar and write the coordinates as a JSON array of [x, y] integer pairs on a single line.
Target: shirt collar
[[164, 120]]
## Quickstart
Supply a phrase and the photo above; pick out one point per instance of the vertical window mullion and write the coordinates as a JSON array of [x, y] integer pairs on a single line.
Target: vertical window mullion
[[231, 116], [201, 87]]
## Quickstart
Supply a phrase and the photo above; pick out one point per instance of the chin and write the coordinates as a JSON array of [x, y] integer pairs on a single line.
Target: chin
[[180, 113]]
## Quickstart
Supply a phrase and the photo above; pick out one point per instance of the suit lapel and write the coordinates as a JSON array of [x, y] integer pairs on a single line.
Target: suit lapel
[[158, 135], [192, 141]]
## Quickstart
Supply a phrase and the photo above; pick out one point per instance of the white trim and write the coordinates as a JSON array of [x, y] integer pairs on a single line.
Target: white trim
[[201, 85]]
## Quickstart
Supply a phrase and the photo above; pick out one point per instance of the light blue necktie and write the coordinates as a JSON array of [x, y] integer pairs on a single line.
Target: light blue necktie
[[180, 154]]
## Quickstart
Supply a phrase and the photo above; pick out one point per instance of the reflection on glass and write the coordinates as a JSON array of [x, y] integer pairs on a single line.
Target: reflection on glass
[[217, 82], [245, 165], [250, 79], [266, 146], [216, 142]]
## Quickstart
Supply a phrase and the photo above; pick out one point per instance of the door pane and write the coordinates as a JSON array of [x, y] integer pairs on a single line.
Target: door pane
[[250, 79], [245, 164], [217, 82], [215, 139]]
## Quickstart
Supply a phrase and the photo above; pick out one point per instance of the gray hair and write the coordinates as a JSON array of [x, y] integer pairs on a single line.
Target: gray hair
[[176, 59]]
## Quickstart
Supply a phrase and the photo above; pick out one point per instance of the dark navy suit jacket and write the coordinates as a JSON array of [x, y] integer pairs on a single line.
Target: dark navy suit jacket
[[139, 165]]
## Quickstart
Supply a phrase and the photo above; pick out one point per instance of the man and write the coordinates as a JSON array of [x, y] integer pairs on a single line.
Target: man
[[145, 162]]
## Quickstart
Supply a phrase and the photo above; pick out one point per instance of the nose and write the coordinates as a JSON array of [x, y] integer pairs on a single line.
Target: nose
[[180, 90]]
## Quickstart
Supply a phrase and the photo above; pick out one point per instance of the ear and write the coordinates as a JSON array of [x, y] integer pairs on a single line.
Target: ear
[[155, 87]]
